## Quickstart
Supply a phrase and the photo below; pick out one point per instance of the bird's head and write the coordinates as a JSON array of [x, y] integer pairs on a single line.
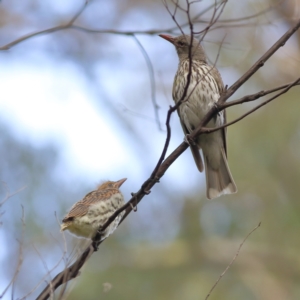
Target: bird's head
[[182, 44], [111, 184]]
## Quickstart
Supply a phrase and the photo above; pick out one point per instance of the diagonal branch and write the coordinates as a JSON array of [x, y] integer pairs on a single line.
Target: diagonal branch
[[260, 94], [231, 90], [46, 31], [73, 270], [70, 25], [209, 130], [260, 63]]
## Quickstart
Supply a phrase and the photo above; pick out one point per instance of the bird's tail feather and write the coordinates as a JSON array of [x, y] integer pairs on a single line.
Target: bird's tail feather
[[197, 157], [219, 181]]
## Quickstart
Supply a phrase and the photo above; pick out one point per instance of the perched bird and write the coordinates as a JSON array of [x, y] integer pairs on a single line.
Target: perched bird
[[88, 215], [203, 92]]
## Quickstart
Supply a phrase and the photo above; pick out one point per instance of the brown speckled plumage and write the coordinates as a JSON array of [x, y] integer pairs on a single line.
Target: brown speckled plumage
[[203, 92], [87, 215]]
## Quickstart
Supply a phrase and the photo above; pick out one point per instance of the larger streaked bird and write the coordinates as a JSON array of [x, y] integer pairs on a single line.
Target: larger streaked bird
[[88, 215], [203, 92]]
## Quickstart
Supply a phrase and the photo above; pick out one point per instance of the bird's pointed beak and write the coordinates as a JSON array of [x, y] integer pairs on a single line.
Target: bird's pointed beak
[[120, 182], [64, 226], [167, 37]]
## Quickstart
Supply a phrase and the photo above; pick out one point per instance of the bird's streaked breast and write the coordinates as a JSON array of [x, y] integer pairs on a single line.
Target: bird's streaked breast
[[201, 94]]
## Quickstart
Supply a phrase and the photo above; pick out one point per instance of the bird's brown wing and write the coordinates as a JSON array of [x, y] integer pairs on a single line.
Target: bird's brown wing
[[224, 131], [217, 76], [194, 148], [78, 210], [81, 208]]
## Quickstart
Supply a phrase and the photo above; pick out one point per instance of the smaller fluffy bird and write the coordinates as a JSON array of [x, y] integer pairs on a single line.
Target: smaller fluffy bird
[[88, 215]]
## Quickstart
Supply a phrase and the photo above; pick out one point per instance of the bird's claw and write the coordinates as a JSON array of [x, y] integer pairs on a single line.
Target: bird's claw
[[134, 208], [189, 140], [97, 238], [216, 106], [95, 246]]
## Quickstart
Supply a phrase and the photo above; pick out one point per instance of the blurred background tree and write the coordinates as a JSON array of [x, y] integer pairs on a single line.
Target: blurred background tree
[[76, 109]]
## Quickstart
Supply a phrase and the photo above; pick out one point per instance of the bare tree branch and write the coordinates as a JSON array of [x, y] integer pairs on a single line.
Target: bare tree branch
[[66, 275], [262, 12], [286, 89], [46, 31], [8, 193], [70, 25], [260, 63], [152, 80], [230, 91], [260, 94], [215, 17], [232, 261], [73, 270]]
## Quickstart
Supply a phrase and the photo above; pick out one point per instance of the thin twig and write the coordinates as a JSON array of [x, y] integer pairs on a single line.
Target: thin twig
[[80, 11], [48, 273], [172, 109], [73, 270], [20, 257], [70, 25], [46, 31], [209, 130], [43, 280], [214, 18], [260, 63], [136, 114], [8, 193], [152, 80], [260, 94], [232, 261], [232, 89]]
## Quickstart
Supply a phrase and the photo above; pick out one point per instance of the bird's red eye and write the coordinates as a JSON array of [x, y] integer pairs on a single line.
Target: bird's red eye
[[181, 43]]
